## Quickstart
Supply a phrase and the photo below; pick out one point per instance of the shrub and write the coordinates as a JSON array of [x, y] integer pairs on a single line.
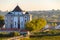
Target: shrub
[[11, 34], [16, 34]]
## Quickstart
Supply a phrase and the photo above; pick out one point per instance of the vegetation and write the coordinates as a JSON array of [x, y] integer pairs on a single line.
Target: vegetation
[[4, 38], [7, 34], [38, 38], [16, 33], [1, 17], [1, 21], [54, 35], [46, 38], [36, 24]]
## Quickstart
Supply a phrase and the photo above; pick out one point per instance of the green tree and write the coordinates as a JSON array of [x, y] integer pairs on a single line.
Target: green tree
[[1, 21], [54, 24], [36, 24], [1, 17]]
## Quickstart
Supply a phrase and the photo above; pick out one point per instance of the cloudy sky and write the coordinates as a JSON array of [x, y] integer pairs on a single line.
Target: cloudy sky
[[29, 4]]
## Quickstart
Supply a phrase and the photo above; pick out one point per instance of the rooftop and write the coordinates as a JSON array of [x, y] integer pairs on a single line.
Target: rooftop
[[17, 9]]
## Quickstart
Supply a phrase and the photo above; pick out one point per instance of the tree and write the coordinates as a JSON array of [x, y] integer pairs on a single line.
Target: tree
[[1, 17], [1, 21], [36, 24], [54, 24]]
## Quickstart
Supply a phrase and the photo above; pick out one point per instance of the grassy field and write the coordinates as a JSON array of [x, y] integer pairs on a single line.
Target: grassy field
[[46, 38], [3, 38], [43, 38], [38, 38], [55, 36]]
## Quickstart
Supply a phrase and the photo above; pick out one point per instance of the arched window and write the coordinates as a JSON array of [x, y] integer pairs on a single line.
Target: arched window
[[11, 25], [15, 23], [25, 20]]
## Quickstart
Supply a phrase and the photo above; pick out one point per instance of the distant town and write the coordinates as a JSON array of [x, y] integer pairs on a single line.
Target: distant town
[[50, 15]]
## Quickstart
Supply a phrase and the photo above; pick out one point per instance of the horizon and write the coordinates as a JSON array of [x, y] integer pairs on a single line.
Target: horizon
[[30, 5]]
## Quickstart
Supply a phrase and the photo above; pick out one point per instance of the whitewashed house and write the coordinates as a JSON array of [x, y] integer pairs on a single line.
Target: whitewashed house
[[17, 18], [57, 27]]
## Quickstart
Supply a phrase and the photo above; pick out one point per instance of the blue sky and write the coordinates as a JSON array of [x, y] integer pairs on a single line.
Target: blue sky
[[29, 4]]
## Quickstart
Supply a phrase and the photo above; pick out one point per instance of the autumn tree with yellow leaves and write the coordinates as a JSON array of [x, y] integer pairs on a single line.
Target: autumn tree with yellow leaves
[[36, 24]]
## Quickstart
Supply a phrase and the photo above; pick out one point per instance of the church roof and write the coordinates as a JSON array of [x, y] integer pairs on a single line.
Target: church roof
[[9, 13], [26, 13], [17, 9]]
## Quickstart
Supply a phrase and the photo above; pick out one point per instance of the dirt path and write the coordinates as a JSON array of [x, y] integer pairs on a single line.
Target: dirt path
[[14, 38], [18, 38]]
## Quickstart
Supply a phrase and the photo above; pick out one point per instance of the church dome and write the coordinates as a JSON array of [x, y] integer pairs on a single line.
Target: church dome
[[26, 13]]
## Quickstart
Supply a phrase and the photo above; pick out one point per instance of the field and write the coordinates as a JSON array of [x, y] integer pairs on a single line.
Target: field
[[38, 38], [3, 38], [43, 38], [51, 35], [46, 38]]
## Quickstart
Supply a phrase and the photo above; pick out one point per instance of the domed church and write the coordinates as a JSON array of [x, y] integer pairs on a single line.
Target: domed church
[[17, 18]]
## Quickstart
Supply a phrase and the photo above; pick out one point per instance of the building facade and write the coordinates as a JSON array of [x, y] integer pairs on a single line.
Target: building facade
[[17, 18]]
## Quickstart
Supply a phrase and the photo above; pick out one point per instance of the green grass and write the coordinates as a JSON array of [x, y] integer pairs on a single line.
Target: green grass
[[39, 38], [43, 38], [46, 38], [3, 38]]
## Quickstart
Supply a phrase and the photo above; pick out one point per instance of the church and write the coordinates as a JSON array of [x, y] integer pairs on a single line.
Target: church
[[17, 18]]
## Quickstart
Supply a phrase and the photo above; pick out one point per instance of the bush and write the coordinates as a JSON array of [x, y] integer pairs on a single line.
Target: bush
[[16, 33], [11, 34]]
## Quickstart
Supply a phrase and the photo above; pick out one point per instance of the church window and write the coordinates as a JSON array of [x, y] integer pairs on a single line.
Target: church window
[[25, 20], [11, 25], [15, 23], [22, 24], [25, 16], [18, 26]]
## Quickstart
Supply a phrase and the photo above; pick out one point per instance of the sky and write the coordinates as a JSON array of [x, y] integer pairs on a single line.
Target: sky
[[29, 5]]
